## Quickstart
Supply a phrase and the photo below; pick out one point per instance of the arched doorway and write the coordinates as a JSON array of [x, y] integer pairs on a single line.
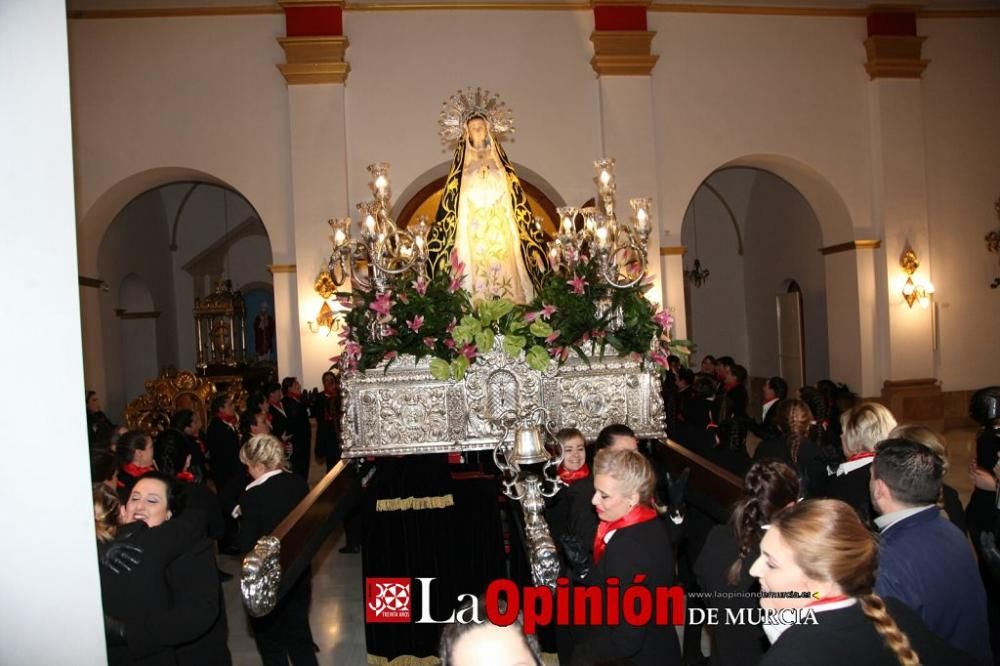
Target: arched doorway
[[754, 233], [177, 239]]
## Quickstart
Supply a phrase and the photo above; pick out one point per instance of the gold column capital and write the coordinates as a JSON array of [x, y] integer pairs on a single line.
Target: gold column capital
[[895, 57], [623, 52], [314, 60]]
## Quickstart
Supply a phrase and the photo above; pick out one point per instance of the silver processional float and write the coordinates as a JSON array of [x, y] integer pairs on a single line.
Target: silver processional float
[[478, 333]]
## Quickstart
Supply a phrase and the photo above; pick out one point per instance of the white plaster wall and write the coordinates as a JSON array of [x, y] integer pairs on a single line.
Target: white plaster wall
[[48, 565], [961, 97], [138, 337], [405, 65], [729, 86]]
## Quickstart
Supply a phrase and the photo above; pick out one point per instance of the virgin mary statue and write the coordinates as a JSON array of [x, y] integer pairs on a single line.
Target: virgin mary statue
[[484, 216]]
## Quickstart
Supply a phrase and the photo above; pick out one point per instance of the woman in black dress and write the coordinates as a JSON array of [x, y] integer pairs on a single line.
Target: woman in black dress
[[863, 427], [631, 540], [283, 633], [820, 548], [724, 563], [795, 446]]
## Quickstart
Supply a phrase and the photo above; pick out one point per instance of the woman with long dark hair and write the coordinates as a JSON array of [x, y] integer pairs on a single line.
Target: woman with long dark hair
[[818, 559], [723, 568]]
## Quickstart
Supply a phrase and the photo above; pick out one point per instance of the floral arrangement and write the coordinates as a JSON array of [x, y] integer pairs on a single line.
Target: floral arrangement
[[436, 317]]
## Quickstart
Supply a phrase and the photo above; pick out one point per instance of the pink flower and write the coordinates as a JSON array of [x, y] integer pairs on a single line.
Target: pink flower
[[456, 265], [531, 316], [454, 285], [390, 355], [664, 319], [404, 299], [451, 326], [553, 336], [555, 351], [585, 338], [469, 351], [635, 356], [578, 284], [420, 285], [429, 342], [390, 331], [547, 310], [382, 303], [415, 323], [660, 358], [449, 343]]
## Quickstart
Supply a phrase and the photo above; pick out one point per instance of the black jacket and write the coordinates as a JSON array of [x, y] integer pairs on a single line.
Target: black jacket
[[732, 644], [853, 488], [224, 450], [639, 549], [301, 430], [142, 598], [263, 507], [198, 607], [810, 464], [847, 636]]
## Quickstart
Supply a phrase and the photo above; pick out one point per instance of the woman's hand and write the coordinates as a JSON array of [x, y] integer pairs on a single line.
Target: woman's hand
[[981, 478]]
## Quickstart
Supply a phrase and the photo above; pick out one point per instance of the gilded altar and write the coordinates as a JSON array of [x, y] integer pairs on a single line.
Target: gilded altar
[[403, 410]]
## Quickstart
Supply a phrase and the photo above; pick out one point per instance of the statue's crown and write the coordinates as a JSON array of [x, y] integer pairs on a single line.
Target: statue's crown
[[471, 102]]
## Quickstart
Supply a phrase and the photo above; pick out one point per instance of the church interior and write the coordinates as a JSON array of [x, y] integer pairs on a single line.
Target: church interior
[[822, 189]]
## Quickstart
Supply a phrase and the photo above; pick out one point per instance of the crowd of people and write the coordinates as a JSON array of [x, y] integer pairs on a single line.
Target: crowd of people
[[165, 506], [839, 501]]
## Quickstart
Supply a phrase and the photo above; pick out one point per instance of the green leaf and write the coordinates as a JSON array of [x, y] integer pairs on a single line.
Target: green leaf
[[540, 329], [537, 358], [513, 344], [458, 367], [518, 325], [491, 310], [579, 352], [484, 340], [440, 369]]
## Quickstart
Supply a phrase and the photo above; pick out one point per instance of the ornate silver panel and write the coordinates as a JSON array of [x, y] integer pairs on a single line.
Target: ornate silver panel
[[404, 410]]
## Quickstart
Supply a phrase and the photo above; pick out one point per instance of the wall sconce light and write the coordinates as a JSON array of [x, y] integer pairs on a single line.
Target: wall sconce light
[[917, 291], [326, 320]]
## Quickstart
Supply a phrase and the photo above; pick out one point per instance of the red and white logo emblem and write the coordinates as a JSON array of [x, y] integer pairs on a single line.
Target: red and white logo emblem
[[387, 599]]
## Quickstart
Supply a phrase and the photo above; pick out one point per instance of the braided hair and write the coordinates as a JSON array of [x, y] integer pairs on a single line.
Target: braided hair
[[794, 419], [769, 486], [832, 545]]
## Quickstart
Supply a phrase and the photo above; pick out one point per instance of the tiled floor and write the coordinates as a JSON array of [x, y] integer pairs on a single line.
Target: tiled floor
[[337, 607]]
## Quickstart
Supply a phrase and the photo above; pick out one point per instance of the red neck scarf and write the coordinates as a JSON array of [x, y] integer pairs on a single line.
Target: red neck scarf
[[569, 477], [861, 456], [135, 471], [228, 419], [185, 476], [640, 513], [827, 600]]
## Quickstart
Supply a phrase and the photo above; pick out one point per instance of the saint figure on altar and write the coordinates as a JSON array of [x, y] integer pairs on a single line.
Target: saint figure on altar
[[484, 216]]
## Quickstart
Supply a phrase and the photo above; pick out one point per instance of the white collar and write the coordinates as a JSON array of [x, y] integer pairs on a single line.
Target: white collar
[[885, 521], [767, 406], [264, 477], [774, 631], [851, 465]]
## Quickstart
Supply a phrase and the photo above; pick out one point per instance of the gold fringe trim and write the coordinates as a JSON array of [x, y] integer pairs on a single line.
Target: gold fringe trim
[[403, 660], [550, 659], [415, 504]]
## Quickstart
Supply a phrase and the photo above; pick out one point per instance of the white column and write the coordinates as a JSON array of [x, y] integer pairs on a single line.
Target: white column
[[900, 212], [286, 321], [319, 192], [51, 590]]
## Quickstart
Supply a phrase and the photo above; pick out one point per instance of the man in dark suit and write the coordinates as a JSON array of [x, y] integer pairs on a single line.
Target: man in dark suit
[[280, 423], [925, 561], [299, 426], [774, 391], [327, 410]]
